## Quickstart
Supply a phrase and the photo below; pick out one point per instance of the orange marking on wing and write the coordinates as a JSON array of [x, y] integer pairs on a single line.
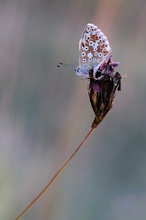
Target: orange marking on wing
[[92, 36], [105, 52]]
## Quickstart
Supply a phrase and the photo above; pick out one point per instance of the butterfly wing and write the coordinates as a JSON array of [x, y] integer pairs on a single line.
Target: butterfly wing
[[93, 47]]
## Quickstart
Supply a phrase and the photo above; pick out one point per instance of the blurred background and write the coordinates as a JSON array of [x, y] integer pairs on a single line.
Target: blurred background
[[45, 112]]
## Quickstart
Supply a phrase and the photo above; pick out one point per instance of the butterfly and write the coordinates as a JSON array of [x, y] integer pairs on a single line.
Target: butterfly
[[93, 50], [94, 65]]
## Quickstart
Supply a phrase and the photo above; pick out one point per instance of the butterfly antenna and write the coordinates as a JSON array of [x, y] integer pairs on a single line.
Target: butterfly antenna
[[66, 65]]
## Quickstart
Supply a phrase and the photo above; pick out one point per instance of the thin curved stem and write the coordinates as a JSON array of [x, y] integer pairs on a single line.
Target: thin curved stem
[[54, 177]]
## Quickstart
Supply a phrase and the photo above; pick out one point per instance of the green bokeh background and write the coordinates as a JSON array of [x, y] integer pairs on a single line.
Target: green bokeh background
[[45, 112]]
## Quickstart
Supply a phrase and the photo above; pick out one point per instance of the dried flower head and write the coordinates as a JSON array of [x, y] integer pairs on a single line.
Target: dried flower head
[[102, 89]]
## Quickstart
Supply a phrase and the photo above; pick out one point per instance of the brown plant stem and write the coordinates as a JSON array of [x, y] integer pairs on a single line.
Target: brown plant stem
[[54, 177]]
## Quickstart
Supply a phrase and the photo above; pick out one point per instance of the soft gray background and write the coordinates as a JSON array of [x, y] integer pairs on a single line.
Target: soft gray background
[[45, 112]]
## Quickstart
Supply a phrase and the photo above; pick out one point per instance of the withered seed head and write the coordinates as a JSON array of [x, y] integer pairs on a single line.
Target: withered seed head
[[102, 90]]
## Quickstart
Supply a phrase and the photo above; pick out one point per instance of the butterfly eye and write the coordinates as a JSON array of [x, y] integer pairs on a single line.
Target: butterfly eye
[[77, 70]]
